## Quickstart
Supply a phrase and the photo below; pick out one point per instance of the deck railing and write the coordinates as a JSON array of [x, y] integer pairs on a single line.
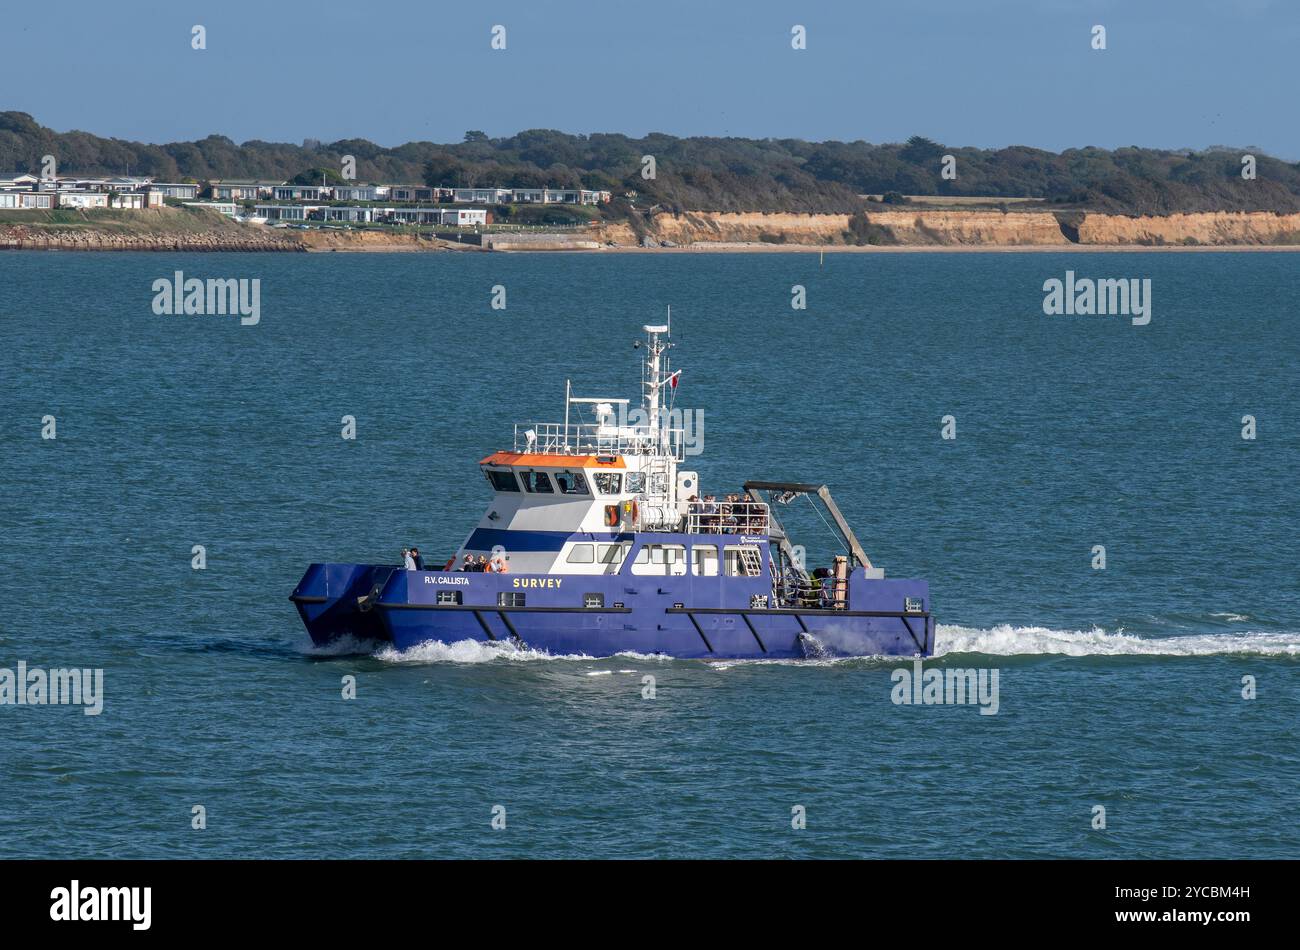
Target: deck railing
[[555, 438], [726, 517]]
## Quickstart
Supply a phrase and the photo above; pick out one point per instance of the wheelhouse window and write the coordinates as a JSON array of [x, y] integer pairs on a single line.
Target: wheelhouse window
[[502, 480], [449, 597], [636, 481], [571, 483], [609, 483], [582, 554], [593, 601], [510, 598], [538, 482]]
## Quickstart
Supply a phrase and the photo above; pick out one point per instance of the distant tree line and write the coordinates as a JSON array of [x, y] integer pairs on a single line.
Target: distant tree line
[[703, 174]]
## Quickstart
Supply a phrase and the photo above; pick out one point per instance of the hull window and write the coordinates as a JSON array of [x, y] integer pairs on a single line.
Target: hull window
[[593, 601], [582, 554], [742, 561], [449, 597], [612, 553], [705, 560], [660, 560], [510, 598]]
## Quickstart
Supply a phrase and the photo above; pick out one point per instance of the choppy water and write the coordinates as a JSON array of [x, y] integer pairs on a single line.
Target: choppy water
[[1118, 687]]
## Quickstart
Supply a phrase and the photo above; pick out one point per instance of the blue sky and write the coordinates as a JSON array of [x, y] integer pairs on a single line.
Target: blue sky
[[1176, 73]]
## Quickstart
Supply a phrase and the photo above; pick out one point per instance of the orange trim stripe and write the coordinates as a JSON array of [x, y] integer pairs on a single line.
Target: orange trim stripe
[[527, 460]]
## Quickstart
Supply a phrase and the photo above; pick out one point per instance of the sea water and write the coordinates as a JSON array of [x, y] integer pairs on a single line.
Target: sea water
[[1095, 528]]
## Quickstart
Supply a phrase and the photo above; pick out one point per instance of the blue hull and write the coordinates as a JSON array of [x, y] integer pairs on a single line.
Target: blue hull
[[681, 616]]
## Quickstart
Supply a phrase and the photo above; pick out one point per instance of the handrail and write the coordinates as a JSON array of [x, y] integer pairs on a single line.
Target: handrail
[[726, 517], [556, 438]]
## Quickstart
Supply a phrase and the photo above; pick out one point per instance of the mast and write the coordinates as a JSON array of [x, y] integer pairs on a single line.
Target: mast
[[568, 394], [654, 374]]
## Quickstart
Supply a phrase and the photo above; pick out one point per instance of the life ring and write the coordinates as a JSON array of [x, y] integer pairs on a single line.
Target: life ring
[[635, 511]]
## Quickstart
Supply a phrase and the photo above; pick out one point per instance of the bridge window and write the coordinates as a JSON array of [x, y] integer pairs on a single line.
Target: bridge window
[[609, 483], [705, 559], [636, 481], [571, 483], [538, 482], [582, 554], [502, 480]]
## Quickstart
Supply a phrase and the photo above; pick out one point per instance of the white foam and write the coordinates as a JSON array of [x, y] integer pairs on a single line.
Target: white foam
[[467, 651], [1006, 640], [341, 646], [1002, 640]]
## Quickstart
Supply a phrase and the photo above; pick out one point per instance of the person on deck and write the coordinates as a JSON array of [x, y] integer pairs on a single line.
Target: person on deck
[[408, 562], [419, 561]]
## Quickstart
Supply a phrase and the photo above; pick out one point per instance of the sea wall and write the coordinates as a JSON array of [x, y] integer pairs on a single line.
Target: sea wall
[[22, 237]]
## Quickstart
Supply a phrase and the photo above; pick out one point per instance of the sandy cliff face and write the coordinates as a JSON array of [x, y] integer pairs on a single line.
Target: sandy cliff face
[[970, 228], [1215, 228]]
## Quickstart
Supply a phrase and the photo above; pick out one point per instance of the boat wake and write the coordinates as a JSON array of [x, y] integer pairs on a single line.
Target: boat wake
[[951, 641], [1006, 640], [476, 651]]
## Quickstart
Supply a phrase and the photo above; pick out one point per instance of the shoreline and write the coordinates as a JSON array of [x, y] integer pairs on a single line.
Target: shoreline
[[407, 245]]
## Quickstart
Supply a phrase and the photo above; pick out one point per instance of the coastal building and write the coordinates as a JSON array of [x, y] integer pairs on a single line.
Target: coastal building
[[561, 196], [301, 193], [129, 201], [171, 189], [283, 212], [19, 180], [410, 193], [82, 199], [483, 196], [221, 207], [355, 193], [239, 189], [26, 200], [464, 217], [414, 215]]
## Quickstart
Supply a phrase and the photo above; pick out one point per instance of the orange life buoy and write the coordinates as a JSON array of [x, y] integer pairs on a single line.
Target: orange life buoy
[[611, 515], [636, 511]]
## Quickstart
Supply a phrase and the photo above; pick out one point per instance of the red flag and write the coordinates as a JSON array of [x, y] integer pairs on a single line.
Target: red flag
[[672, 380]]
